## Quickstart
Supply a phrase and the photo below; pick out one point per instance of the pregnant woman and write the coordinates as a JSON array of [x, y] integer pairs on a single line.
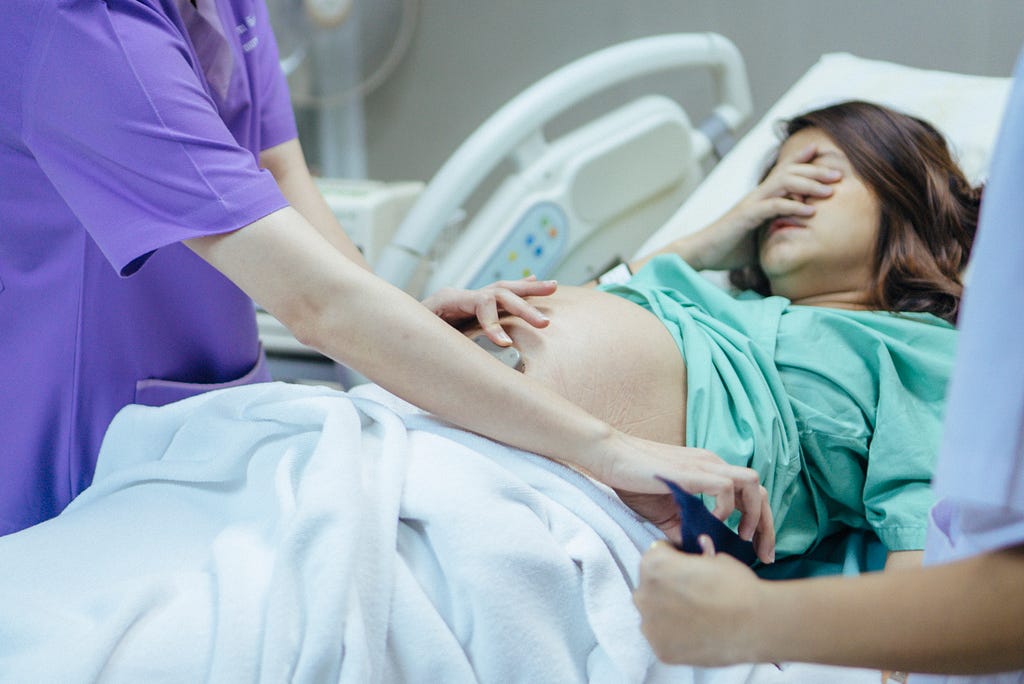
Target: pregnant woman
[[827, 375]]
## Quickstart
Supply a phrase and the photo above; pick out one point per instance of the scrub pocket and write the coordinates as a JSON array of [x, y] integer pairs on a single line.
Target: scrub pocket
[[153, 392]]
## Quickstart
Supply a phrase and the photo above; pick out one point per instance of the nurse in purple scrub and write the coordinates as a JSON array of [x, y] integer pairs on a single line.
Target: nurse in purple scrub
[[152, 187]]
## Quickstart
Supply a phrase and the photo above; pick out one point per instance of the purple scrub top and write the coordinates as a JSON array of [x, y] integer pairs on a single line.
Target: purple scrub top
[[126, 126]]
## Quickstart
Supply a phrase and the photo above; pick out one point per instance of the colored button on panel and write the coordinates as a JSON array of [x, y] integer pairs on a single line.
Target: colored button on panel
[[512, 256]]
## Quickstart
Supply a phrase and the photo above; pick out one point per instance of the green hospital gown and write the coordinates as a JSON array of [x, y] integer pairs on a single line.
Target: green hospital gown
[[839, 411]]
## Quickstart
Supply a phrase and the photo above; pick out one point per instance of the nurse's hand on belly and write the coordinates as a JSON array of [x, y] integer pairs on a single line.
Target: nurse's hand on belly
[[457, 306]]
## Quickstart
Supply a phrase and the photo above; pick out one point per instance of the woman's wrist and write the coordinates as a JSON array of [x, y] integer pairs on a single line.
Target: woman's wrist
[[594, 453], [692, 249]]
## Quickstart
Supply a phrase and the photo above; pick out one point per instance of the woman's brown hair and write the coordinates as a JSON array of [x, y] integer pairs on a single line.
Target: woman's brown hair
[[929, 211]]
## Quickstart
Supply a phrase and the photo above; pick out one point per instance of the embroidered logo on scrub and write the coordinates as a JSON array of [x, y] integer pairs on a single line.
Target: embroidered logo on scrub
[[241, 29]]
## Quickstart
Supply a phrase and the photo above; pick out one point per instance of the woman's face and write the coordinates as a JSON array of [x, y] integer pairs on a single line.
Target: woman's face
[[825, 258]]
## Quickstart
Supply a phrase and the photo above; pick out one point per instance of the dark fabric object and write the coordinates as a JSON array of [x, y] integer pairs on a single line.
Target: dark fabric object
[[697, 520]]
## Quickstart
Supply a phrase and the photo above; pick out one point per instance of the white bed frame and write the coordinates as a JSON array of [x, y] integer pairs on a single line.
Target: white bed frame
[[633, 179], [573, 203]]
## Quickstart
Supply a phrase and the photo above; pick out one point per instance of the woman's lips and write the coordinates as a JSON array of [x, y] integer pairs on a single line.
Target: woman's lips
[[783, 223]]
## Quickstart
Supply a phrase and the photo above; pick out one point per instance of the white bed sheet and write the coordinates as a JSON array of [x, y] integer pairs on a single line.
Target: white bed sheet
[[280, 533], [276, 533], [967, 109]]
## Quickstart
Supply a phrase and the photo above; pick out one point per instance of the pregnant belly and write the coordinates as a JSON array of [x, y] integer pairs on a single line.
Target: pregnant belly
[[611, 357]]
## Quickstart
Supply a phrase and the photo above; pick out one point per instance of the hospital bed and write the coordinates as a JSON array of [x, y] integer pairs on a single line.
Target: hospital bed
[[571, 202], [564, 205], [633, 179], [621, 184], [224, 539]]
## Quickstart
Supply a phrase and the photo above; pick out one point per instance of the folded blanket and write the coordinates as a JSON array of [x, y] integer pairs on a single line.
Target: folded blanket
[[283, 533]]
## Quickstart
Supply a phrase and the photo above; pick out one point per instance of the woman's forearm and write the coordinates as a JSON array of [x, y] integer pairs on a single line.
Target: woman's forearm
[[965, 617], [690, 248]]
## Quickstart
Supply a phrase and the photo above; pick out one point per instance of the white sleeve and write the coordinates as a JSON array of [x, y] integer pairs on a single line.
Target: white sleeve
[[980, 478]]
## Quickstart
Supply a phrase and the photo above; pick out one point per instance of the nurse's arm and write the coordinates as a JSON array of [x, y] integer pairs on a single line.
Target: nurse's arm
[[287, 164], [354, 317]]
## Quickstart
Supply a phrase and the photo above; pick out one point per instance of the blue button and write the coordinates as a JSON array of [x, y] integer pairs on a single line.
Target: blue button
[[529, 239], [538, 251]]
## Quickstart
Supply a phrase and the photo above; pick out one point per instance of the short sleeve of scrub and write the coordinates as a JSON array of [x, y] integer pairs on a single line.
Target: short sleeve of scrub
[[277, 119], [140, 155]]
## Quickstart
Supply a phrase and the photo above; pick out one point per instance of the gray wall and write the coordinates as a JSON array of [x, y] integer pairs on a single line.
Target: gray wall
[[469, 56]]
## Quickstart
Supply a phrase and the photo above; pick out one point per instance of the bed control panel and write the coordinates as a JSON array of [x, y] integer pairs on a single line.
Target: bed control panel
[[533, 246]]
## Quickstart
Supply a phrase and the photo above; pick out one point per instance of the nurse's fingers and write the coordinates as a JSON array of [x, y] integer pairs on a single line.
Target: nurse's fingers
[[528, 286], [725, 498], [519, 307], [707, 546], [745, 494], [486, 312], [756, 521], [757, 500], [764, 538], [759, 528]]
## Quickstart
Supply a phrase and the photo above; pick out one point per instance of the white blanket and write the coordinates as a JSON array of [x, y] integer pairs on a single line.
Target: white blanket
[[280, 533]]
